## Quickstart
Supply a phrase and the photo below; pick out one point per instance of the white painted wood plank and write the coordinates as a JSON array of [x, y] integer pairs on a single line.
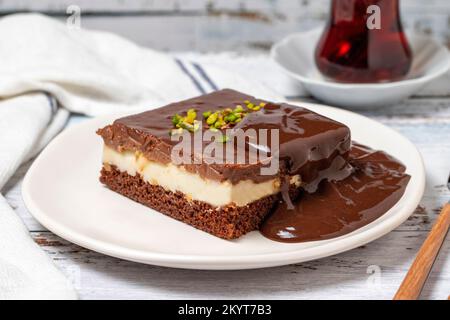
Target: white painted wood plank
[[287, 7], [344, 276], [430, 17], [224, 32], [197, 33], [99, 5]]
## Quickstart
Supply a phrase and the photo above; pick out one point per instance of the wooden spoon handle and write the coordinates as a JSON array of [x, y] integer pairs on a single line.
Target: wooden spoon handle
[[417, 275]]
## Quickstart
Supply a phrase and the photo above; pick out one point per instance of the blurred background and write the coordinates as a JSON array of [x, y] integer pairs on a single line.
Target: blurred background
[[244, 26]]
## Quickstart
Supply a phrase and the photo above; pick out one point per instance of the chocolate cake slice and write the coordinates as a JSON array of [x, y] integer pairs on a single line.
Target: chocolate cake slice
[[225, 198]]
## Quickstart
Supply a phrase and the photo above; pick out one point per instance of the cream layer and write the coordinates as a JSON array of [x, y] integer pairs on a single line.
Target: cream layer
[[176, 178]]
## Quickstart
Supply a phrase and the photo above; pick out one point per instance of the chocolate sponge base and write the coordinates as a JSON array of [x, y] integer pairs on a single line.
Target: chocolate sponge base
[[228, 222]]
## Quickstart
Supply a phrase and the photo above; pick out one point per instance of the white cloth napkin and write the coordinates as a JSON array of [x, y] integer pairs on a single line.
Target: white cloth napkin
[[48, 70], [26, 123]]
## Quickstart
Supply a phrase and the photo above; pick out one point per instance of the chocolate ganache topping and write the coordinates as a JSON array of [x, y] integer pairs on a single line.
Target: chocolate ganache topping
[[340, 207], [310, 145]]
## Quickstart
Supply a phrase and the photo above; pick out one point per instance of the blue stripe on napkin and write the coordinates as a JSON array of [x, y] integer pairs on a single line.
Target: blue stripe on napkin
[[205, 76], [193, 79]]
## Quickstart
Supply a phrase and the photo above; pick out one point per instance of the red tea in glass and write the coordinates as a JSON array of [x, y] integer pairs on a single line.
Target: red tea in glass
[[364, 42]]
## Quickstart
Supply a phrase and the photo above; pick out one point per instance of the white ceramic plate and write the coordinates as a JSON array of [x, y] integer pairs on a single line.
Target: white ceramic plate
[[295, 54], [62, 191]]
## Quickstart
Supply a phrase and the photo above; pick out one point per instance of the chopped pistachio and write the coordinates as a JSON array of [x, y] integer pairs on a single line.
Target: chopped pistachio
[[230, 118], [190, 127], [176, 119], [186, 125], [238, 108], [220, 119], [191, 116], [212, 119], [206, 114], [219, 123]]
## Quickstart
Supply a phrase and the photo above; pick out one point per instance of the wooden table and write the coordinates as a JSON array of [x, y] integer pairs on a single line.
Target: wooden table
[[373, 271]]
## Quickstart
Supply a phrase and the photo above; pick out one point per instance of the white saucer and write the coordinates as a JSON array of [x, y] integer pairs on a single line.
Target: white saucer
[[295, 54], [62, 191]]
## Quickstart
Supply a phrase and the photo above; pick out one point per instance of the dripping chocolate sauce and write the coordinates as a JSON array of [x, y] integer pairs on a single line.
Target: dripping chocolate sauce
[[336, 208]]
